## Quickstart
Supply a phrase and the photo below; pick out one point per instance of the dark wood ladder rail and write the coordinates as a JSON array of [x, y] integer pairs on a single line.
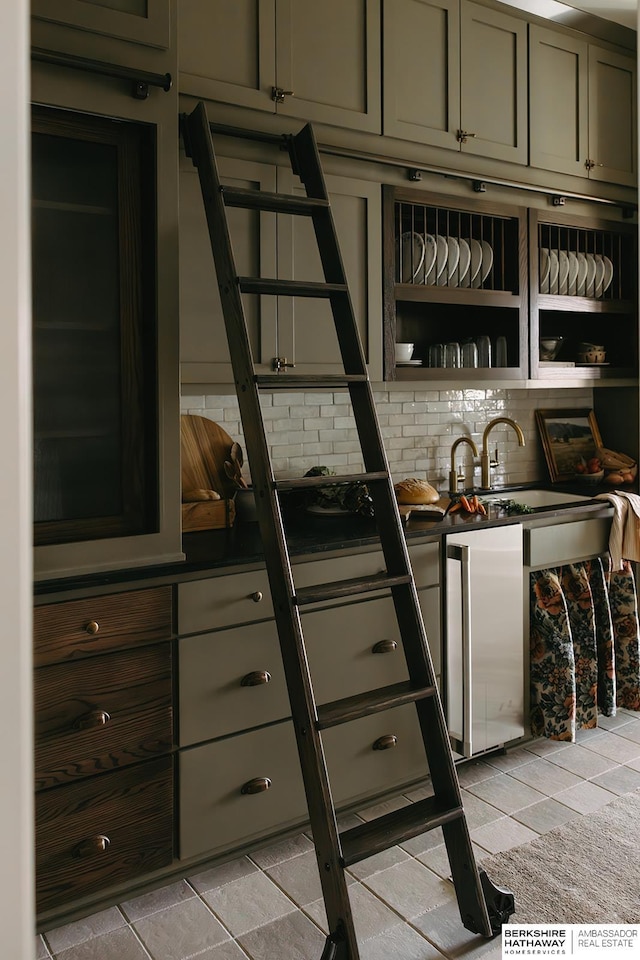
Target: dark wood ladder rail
[[483, 906]]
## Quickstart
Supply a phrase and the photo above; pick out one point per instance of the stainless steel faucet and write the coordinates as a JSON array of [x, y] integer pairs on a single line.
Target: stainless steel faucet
[[486, 463], [453, 473]]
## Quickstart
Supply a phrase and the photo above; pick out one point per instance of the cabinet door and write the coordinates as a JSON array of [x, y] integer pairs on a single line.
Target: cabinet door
[[328, 56], [493, 83], [558, 101], [421, 65], [612, 117], [140, 21], [227, 51], [306, 332], [204, 355]]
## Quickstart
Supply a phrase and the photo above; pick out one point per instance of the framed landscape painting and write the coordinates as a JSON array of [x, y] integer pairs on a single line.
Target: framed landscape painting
[[567, 435]]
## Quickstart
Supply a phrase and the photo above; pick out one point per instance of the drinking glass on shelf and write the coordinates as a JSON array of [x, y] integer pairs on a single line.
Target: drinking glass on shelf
[[436, 355], [452, 354], [484, 351], [501, 352], [469, 354]]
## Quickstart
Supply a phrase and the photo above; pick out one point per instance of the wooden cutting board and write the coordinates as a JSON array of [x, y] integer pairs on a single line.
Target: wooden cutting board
[[204, 448]]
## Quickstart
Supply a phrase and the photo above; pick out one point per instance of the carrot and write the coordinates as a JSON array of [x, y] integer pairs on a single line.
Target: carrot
[[454, 507], [465, 504]]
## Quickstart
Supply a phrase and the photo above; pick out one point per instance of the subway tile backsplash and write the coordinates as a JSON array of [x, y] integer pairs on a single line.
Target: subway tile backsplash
[[418, 426]]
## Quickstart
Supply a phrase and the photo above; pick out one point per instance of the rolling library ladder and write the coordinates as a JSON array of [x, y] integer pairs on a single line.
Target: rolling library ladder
[[483, 907]]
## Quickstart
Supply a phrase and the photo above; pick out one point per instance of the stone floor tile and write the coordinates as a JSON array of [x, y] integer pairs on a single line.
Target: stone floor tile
[[288, 938], [41, 951], [180, 931], [585, 798], [612, 723], [401, 942], [378, 862], [547, 778], [387, 806], [444, 929], [588, 733], [630, 731], [438, 860], [505, 793], [299, 878], [584, 763], [544, 816], [477, 811], [371, 916], [248, 903], [473, 771], [74, 933], [613, 747], [267, 857], [505, 762], [544, 746], [225, 873], [229, 950], [502, 835], [157, 900], [120, 944], [410, 888], [420, 793], [619, 780]]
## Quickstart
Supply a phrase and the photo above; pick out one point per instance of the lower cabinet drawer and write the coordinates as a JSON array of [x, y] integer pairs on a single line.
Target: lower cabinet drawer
[[102, 831], [238, 789], [374, 754], [102, 712], [561, 543], [223, 601]]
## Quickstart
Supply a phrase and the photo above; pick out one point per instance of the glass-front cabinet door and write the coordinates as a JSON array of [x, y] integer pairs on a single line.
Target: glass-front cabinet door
[[94, 353]]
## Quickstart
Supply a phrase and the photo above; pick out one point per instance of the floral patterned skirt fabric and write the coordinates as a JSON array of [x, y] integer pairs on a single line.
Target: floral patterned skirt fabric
[[585, 646]]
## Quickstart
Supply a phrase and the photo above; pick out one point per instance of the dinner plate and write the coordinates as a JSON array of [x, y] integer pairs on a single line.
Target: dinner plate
[[608, 274], [453, 258], [440, 262], [599, 278], [412, 257], [573, 273], [487, 263], [464, 262], [554, 267], [545, 266], [563, 272], [581, 279], [408, 363], [476, 262], [591, 275]]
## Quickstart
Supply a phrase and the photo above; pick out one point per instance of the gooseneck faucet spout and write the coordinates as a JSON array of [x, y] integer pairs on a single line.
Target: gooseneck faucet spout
[[486, 463], [453, 473]]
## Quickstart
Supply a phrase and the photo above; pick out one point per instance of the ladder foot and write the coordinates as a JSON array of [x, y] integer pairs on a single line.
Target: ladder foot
[[336, 946], [500, 906]]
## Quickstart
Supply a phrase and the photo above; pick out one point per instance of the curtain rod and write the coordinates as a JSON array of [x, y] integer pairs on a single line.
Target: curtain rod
[[141, 79]]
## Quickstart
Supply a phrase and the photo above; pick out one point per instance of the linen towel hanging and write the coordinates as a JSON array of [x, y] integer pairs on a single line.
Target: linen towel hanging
[[624, 538], [585, 646]]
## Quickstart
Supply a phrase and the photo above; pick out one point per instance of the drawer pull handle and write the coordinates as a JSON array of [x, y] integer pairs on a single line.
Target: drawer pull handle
[[257, 785], [92, 627], [384, 646], [256, 678], [92, 846], [256, 597], [96, 718], [386, 742]]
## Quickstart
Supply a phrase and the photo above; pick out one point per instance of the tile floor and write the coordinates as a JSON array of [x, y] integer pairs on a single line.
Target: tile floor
[[269, 905]]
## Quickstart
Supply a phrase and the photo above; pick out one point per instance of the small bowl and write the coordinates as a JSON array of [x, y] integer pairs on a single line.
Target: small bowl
[[549, 347], [592, 356], [590, 479], [404, 352]]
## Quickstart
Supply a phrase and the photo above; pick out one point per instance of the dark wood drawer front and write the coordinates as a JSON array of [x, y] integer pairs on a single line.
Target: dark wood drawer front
[[102, 831], [101, 713], [80, 628]]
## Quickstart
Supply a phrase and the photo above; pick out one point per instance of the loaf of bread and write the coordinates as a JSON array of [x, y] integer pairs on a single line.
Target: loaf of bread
[[195, 496], [416, 491]]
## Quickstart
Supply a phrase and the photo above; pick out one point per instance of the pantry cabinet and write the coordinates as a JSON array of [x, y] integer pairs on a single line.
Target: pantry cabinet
[[582, 108], [294, 331], [455, 76], [285, 57]]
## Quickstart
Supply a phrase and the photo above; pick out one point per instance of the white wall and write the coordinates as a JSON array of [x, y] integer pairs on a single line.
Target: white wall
[[16, 835]]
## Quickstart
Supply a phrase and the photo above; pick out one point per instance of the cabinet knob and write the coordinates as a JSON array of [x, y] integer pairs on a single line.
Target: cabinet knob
[[257, 785], [278, 94], [92, 627], [92, 846], [256, 678], [257, 596], [384, 646], [95, 718], [386, 742]]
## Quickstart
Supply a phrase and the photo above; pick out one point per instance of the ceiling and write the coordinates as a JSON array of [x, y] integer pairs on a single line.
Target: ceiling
[[624, 12]]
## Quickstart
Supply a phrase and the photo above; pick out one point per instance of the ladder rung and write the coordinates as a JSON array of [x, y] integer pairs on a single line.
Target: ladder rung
[[373, 701], [303, 483], [347, 588], [315, 380], [272, 202], [290, 288], [377, 835]]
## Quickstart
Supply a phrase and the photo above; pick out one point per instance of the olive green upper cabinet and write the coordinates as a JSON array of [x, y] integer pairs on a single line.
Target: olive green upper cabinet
[[281, 330], [139, 21], [582, 102], [455, 76], [286, 57]]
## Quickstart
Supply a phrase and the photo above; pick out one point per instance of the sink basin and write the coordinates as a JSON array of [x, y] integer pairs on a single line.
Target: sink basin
[[534, 498]]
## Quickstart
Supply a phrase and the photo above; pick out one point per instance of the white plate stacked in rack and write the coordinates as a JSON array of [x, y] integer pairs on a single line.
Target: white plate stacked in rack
[[567, 273], [436, 260]]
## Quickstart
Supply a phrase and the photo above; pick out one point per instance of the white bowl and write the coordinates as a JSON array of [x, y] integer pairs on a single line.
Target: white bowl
[[404, 352]]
